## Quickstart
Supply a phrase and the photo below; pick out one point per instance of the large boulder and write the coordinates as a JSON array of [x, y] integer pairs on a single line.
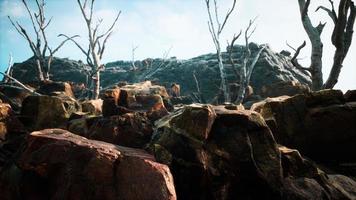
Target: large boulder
[[216, 153], [62, 69], [304, 180], [14, 96], [40, 112], [56, 164], [94, 107], [52, 88], [130, 129], [223, 152], [9, 123], [139, 97], [319, 124], [289, 88]]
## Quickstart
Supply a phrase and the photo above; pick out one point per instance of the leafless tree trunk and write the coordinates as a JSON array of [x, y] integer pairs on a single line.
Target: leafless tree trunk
[[245, 71], [20, 84], [134, 48], [97, 43], [341, 37], [156, 67], [8, 71], [39, 24], [317, 46], [215, 29]]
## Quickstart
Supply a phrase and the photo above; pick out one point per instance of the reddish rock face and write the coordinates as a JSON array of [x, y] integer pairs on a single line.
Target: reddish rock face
[[13, 96], [350, 95], [216, 153], [111, 98], [9, 123], [321, 125], [40, 112], [289, 88], [130, 129], [55, 88], [239, 158], [92, 106], [139, 97], [259, 105], [73, 167]]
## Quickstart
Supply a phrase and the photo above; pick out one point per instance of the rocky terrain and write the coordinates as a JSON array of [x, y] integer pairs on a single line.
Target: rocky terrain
[[272, 68], [138, 141]]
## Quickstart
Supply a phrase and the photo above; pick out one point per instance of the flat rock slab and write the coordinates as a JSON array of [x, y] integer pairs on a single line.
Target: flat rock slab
[[74, 167]]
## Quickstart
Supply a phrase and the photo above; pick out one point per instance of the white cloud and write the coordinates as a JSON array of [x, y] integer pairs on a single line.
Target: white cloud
[[156, 25], [12, 8]]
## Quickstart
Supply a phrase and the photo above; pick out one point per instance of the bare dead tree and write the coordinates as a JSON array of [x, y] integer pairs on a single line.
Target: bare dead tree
[[230, 51], [294, 59], [154, 68], [20, 84], [134, 48], [313, 33], [97, 43], [199, 95], [8, 71], [216, 28], [341, 39], [39, 45], [246, 69]]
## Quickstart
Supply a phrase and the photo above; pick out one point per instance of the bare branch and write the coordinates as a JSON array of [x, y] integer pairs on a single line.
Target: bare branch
[[111, 27], [76, 43], [104, 45], [294, 59], [252, 65], [227, 16], [32, 20], [230, 47], [134, 48], [304, 12], [320, 27], [331, 13], [21, 84], [8, 69], [62, 43], [23, 32]]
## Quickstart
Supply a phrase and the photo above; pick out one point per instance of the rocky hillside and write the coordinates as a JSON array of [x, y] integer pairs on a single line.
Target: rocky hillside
[[270, 69], [130, 145]]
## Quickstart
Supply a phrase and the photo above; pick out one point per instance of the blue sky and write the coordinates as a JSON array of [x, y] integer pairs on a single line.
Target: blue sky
[[157, 25]]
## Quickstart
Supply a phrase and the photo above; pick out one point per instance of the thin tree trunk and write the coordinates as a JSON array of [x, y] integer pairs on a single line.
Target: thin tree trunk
[[335, 70], [96, 85], [317, 46], [223, 75], [39, 69], [316, 64]]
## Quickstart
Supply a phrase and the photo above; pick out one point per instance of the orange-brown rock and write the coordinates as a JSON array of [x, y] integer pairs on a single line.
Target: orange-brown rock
[[13, 95], [9, 123], [350, 95], [66, 166], [218, 153], [129, 92], [92, 106], [288, 88], [53, 88], [238, 160], [39, 112], [259, 105], [320, 125], [130, 129], [139, 97]]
